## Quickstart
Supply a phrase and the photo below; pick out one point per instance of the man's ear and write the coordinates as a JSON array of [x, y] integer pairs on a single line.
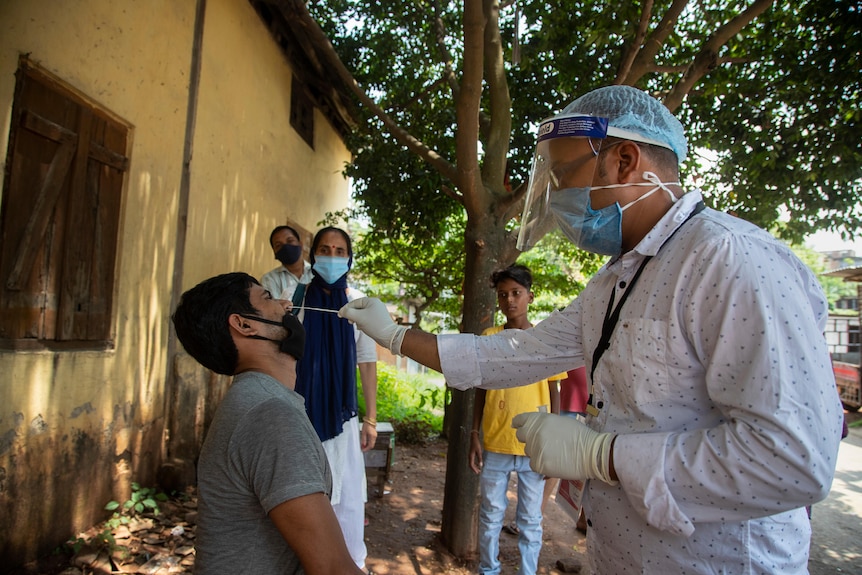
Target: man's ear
[[240, 325], [531, 297], [627, 158]]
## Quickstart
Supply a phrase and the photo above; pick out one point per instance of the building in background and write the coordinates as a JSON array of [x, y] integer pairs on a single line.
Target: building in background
[[845, 343]]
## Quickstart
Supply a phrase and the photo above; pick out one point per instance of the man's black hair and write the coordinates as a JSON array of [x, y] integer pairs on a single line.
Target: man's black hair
[[327, 229], [515, 272], [277, 229], [201, 319]]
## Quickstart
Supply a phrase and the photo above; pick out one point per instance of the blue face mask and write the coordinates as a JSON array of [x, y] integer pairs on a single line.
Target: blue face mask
[[330, 268], [598, 231]]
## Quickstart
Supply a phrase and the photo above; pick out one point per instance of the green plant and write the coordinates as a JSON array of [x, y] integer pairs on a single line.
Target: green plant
[[141, 500], [72, 546], [413, 403]]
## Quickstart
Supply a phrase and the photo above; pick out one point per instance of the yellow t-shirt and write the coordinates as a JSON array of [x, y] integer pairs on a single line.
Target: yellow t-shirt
[[501, 405]]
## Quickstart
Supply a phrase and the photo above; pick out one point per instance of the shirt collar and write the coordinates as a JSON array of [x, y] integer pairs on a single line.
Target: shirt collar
[[667, 225], [658, 235]]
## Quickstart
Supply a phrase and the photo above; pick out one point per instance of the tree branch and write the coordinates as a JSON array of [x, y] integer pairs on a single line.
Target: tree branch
[[646, 55], [452, 194], [516, 204], [499, 134], [440, 37], [632, 49], [682, 68], [467, 109], [449, 75], [444, 167], [707, 58]]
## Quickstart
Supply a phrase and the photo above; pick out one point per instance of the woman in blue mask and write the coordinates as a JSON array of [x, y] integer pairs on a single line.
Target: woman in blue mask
[[326, 378]]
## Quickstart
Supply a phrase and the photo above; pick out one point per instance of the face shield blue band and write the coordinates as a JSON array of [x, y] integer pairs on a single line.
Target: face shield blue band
[[576, 126], [537, 219]]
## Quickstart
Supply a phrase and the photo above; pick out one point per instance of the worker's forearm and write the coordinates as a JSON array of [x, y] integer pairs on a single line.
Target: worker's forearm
[[421, 346]]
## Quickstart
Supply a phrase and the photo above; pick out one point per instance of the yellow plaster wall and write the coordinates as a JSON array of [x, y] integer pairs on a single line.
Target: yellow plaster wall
[[252, 170], [77, 427]]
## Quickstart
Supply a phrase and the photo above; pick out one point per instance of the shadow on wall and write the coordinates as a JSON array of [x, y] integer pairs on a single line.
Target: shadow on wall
[[63, 465], [197, 393]]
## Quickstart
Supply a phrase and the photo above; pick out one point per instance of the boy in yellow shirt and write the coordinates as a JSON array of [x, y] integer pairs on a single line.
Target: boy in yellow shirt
[[503, 454]]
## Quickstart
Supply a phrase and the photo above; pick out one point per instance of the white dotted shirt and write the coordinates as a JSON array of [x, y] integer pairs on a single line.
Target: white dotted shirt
[[719, 384]]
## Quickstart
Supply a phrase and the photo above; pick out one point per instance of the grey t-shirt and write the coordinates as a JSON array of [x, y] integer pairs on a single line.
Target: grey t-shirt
[[260, 451]]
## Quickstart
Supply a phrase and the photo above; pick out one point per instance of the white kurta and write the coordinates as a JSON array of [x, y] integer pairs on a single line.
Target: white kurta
[[719, 384], [281, 282]]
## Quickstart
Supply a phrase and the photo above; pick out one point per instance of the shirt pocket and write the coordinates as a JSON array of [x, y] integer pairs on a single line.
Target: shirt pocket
[[639, 349]]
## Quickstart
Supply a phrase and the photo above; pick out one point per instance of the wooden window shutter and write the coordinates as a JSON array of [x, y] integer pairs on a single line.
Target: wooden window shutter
[[60, 218]]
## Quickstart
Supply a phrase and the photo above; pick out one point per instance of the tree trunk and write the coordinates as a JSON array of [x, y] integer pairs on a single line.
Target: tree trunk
[[484, 239], [459, 529]]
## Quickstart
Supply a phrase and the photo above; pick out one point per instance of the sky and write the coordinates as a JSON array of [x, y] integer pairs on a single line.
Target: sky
[[829, 241]]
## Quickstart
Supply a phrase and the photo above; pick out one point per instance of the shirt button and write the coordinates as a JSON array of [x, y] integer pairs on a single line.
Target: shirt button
[[623, 284]]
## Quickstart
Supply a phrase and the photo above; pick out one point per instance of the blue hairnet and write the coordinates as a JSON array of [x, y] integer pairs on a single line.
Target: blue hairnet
[[636, 111]]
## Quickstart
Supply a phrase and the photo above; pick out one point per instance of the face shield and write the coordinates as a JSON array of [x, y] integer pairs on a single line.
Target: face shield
[[566, 151]]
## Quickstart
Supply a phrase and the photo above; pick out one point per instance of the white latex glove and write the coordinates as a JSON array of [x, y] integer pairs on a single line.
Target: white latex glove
[[371, 316], [560, 446]]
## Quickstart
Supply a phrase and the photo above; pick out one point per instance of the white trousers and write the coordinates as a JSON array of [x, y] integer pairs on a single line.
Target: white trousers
[[349, 488]]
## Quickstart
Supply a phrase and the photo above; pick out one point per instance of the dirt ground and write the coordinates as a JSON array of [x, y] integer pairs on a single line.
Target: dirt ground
[[402, 533], [404, 525]]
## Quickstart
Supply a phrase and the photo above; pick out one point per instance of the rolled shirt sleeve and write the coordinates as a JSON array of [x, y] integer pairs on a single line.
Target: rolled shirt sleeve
[[513, 358]]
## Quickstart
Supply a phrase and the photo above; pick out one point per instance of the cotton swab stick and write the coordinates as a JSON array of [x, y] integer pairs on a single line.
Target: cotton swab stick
[[315, 309]]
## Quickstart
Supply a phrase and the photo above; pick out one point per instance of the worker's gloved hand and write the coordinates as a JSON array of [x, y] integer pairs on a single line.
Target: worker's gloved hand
[[371, 316], [563, 447]]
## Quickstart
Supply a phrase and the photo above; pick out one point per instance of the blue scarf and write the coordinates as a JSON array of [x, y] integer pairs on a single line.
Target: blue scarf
[[326, 374]]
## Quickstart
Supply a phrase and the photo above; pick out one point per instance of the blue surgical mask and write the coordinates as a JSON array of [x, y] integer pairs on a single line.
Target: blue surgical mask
[[330, 268], [598, 231]]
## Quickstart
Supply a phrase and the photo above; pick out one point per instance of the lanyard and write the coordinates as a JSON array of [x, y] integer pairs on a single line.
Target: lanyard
[[612, 315]]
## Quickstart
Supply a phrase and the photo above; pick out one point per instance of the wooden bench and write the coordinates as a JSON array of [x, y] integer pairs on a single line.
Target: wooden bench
[[378, 460]]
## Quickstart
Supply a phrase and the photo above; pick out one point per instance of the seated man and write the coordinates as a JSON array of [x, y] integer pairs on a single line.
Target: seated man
[[263, 479]]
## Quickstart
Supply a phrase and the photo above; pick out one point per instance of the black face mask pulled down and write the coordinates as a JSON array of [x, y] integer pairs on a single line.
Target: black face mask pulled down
[[294, 342]]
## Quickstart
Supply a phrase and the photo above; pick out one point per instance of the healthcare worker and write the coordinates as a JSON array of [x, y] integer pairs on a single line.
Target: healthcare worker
[[712, 415]]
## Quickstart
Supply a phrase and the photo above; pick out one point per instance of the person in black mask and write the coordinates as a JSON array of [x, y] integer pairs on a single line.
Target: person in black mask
[[288, 280], [264, 483]]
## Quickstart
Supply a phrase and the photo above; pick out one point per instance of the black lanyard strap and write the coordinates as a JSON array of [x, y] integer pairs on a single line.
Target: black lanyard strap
[[612, 315]]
